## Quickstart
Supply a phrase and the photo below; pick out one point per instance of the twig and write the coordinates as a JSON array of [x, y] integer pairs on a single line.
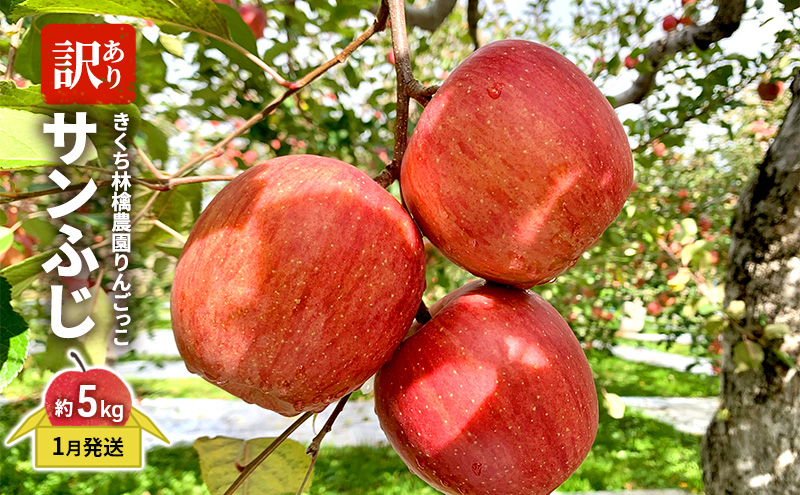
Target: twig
[[405, 76], [141, 154], [378, 25], [170, 183], [169, 230], [147, 206], [12, 51], [260, 63], [473, 16], [248, 470], [313, 448]]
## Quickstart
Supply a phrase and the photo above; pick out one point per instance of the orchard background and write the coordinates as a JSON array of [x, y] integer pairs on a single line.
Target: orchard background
[[704, 254]]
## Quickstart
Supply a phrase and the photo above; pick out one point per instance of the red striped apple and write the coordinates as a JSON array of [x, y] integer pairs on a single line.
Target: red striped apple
[[517, 165], [492, 396], [298, 281]]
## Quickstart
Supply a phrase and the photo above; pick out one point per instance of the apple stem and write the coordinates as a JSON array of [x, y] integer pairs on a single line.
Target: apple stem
[[74, 355]]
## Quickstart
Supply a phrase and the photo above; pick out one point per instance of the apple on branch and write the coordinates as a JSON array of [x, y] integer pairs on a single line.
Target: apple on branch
[[298, 281], [517, 165], [493, 395]]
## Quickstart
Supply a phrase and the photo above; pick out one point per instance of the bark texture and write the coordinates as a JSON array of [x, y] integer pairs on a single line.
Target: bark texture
[[752, 447]]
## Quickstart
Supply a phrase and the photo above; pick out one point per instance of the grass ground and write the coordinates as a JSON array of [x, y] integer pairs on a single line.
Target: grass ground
[[631, 453], [614, 374]]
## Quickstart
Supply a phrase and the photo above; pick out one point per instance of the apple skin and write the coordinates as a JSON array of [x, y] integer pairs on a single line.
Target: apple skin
[[670, 23], [66, 385], [631, 62], [517, 165], [494, 395], [298, 281], [255, 19]]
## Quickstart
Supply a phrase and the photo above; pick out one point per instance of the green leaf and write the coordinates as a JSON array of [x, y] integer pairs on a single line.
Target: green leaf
[[30, 100], [197, 15], [170, 250], [282, 472], [172, 44], [790, 5], [29, 61], [21, 274], [25, 145], [776, 331], [6, 6], [157, 143], [747, 355], [95, 343], [241, 35], [614, 404], [6, 239], [13, 337], [41, 229]]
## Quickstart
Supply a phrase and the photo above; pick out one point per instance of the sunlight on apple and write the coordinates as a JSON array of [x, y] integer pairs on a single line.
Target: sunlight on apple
[[453, 411], [524, 353]]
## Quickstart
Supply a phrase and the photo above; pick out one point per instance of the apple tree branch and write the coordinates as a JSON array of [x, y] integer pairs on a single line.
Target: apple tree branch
[[724, 24]]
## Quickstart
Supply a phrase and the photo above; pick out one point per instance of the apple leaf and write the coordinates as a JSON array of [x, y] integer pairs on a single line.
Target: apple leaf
[[95, 344], [20, 275], [24, 144], [30, 100], [29, 61], [243, 36], [679, 280], [775, 331], [282, 472], [747, 355], [6, 239], [614, 404], [197, 15], [13, 337]]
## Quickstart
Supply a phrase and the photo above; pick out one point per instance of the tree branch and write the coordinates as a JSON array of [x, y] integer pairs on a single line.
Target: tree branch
[[313, 448], [12, 51], [473, 16], [725, 22], [378, 25], [248, 470]]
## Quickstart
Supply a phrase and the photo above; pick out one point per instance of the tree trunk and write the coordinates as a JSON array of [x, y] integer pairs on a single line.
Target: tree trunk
[[752, 446]]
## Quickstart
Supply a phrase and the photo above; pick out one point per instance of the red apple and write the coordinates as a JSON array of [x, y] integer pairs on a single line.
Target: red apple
[[704, 224], [631, 62], [492, 396], [297, 283], [654, 308], [684, 3], [686, 207], [98, 397], [517, 165], [255, 19], [769, 91], [685, 20], [669, 23]]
